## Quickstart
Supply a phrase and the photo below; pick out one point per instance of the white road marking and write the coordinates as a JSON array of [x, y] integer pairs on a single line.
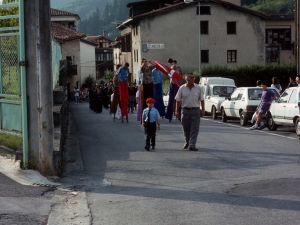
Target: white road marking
[[279, 135]]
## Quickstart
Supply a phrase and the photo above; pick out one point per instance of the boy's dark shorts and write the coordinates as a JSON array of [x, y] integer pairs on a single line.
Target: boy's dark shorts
[[264, 108]]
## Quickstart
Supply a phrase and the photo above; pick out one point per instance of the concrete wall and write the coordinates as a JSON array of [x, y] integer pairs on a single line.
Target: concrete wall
[[87, 62], [179, 32], [72, 48], [285, 55], [39, 85]]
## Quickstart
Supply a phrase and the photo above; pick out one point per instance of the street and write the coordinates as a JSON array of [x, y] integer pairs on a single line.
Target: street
[[238, 176]]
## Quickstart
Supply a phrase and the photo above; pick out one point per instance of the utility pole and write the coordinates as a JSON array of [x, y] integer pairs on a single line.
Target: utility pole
[[39, 84]]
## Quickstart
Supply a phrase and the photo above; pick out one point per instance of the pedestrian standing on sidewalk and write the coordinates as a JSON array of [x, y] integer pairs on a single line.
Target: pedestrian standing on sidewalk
[[292, 82], [189, 97], [276, 84], [298, 92], [267, 98], [76, 94], [149, 119], [131, 92]]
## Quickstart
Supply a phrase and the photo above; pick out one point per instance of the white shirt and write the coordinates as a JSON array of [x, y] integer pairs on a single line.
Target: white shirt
[[189, 98], [76, 92], [112, 96], [279, 90]]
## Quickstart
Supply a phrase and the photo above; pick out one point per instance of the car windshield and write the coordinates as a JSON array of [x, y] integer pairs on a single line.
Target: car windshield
[[255, 94], [223, 91]]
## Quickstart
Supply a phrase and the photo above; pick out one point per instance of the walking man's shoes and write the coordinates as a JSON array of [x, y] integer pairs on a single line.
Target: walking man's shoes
[[193, 149], [153, 147], [186, 146], [147, 147]]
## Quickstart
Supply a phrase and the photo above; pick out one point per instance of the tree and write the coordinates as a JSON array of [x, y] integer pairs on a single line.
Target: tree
[[273, 7]]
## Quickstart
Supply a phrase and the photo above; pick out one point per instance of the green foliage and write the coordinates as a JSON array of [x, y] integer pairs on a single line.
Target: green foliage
[[108, 75], [9, 11], [248, 75], [10, 141], [89, 81], [98, 15], [273, 7], [165, 85]]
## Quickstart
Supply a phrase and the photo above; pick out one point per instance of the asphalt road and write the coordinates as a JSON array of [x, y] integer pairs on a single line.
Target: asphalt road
[[21, 204], [237, 177]]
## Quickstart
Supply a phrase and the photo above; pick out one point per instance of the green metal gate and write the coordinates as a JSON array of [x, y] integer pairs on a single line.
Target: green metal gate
[[13, 104]]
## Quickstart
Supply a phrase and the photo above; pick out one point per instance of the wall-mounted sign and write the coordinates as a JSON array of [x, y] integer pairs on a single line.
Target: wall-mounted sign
[[155, 46]]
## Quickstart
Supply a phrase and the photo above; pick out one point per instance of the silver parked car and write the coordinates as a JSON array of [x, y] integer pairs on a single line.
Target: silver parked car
[[285, 111], [242, 104]]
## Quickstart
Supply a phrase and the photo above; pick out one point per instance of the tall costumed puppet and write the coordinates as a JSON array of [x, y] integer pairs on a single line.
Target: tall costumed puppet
[[123, 73], [176, 80]]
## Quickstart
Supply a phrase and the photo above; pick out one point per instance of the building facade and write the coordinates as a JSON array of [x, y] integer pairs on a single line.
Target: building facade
[[217, 32]]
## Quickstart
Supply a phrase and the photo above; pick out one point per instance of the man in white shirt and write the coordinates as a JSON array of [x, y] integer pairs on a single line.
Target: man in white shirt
[[189, 97]]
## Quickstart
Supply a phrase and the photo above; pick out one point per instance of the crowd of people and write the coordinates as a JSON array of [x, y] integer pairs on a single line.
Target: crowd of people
[[146, 99]]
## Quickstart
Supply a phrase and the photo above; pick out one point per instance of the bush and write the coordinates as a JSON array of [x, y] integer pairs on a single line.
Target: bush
[[248, 75], [89, 81]]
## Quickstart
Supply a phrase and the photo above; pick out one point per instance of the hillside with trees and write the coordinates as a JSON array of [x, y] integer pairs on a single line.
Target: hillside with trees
[[98, 15], [273, 6]]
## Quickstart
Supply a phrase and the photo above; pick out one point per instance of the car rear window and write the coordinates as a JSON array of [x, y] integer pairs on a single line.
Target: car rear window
[[255, 94], [223, 90]]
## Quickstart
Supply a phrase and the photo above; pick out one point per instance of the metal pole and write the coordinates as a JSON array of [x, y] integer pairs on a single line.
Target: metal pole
[[23, 83], [199, 39]]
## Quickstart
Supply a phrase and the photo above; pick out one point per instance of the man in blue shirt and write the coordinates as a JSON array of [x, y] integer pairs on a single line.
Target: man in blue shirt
[[149, 119]]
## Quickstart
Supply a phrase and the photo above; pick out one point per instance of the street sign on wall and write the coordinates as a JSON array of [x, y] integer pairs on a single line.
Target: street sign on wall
[[155, 46]]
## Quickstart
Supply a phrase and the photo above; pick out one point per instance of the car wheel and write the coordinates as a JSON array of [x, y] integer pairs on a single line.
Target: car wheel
[[297, 126], [270, 122], [214, 112], [224, 117], [243, 119]]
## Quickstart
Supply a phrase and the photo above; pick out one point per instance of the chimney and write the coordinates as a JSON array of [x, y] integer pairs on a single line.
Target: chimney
[[103, 33]]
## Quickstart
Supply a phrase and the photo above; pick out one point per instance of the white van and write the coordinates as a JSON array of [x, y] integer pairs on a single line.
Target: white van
[[215, 91]]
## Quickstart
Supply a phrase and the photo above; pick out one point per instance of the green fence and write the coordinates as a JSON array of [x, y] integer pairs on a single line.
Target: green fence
[[13, 105], [56, 58]]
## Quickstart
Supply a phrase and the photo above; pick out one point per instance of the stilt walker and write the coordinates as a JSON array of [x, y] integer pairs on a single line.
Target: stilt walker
[[116, 98], [123, 90]]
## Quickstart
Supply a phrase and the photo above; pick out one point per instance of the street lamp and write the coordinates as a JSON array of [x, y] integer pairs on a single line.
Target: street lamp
[[198, 9]]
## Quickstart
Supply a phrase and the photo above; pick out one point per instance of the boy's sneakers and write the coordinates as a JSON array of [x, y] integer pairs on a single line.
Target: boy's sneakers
[[262, 127], [254, 127]]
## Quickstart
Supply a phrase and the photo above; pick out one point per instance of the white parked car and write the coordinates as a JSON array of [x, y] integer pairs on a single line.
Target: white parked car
[[242, 104], [285, 111], [215, 91]]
